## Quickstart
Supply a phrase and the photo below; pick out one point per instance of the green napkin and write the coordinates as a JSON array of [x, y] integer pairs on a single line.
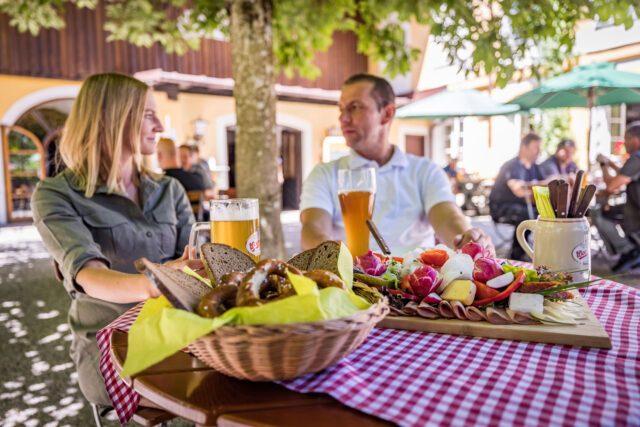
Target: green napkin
[[543, 203], [161, 330]]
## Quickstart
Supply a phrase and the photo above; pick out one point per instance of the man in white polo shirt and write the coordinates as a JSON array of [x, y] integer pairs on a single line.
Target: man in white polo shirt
[[413, 196]]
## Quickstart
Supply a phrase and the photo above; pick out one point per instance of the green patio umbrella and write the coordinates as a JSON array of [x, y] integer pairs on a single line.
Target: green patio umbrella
[[585, 86], [461, 103]]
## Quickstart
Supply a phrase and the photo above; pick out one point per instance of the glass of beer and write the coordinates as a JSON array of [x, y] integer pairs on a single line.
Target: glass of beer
[[357, 192], [234, 222]]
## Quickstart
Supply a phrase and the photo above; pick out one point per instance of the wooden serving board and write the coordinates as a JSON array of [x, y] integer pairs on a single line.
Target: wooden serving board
[[589, 333]]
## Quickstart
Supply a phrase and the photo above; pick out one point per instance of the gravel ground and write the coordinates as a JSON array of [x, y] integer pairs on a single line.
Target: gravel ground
[[38, 384]]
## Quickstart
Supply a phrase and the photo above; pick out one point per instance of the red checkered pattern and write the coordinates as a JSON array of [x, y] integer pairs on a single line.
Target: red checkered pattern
[[124, 399], [419, 379]]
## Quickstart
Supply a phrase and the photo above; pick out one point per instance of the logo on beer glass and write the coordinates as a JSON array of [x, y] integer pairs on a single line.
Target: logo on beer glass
[[234, 222], [356, 192], [253, 244]]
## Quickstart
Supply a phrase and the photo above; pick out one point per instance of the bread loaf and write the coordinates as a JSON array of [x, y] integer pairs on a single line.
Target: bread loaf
[[325, 257], [302, 260], [220, 259], [182, 290]]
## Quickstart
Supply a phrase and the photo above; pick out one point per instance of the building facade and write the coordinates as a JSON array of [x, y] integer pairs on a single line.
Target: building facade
[[40, 77]]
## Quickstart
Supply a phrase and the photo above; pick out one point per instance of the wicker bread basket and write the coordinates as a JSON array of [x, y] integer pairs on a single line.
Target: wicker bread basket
[[278, 352]]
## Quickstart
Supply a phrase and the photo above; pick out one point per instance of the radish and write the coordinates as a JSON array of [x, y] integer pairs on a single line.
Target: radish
[[500, 281], [432, 298]]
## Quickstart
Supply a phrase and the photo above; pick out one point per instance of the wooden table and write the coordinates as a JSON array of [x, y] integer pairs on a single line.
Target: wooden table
[[191, 390]]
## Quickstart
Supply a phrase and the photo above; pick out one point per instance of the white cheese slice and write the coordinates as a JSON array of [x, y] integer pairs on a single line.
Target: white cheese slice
[[526, 303]]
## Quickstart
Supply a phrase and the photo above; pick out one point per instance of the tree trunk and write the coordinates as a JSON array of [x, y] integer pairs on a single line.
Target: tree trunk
[[255, 97]]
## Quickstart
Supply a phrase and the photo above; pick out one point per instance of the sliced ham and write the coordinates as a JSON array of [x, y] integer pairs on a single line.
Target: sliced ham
[[521, 318], [428, 311], [394, 311], [475, 314], [459, 310], [411, 309], [498, 316], [445, 310]]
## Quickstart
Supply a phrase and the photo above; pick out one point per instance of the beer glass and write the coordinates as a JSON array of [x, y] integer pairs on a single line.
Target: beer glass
[[356, 192], [234, 222]]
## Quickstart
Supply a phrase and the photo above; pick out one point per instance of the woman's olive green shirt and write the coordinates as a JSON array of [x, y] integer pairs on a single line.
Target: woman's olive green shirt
[[113, 229]]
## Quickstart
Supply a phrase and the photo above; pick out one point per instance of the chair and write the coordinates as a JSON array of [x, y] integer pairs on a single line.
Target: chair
[[144, 416], [196, 198]]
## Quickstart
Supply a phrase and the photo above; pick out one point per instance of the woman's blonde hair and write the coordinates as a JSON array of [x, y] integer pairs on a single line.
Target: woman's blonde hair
[[105, 121]]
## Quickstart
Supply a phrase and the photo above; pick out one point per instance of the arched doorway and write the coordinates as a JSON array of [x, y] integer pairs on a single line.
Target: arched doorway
[[290, 143], [30, 154], [24, 167]]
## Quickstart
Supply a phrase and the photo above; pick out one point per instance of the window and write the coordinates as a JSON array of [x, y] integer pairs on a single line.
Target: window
[[616, 117], [24, 168]]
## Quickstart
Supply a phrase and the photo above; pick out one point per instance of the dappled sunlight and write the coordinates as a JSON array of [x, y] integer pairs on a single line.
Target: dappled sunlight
[[50, 338], [49, 315], [39, 385]]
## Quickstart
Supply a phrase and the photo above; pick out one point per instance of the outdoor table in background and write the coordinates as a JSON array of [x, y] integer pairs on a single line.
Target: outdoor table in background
[[416, 379]]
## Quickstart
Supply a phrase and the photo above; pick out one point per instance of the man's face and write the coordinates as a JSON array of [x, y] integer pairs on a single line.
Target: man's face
[[566, 153], [185, 158], [631, 143], [532, 151], [360, 120]]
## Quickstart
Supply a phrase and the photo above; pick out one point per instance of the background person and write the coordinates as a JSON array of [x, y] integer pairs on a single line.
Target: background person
[[510, 201], [170, 163], [629, 176], [454, 173], [561, 164], [413, 196], [190, 162], [106, 210]]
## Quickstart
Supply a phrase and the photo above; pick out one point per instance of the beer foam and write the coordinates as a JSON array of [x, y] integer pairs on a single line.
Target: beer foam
[[234, 211]]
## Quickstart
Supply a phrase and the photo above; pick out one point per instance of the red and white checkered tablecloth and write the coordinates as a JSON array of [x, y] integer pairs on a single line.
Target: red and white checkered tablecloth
[[124, 398], [418, 379]]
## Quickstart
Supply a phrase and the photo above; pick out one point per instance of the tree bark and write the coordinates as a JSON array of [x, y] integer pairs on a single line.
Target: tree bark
[[255, 99]]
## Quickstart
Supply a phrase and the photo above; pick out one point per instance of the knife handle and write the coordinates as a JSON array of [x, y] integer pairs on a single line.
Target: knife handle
[[575, 193], [585, 201], [563, 199], [553, 195]]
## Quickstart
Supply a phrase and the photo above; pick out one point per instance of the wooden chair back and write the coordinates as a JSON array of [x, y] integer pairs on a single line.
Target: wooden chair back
[[195, 198]]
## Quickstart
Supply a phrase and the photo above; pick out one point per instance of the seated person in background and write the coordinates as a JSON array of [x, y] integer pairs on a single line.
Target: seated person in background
[[561, 163], [413, 198], [169, 162], [190, 163], [629, 176], [452, 172], [106, 210], [510, 200]]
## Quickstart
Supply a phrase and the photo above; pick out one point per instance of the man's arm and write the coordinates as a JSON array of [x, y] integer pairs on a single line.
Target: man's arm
[[454, 229], [518, 187], [317, 227], [615, 183]]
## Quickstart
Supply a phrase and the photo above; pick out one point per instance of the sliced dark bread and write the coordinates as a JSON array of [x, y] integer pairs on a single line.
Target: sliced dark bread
[[220, 259], [182, 290], [302, 260], [325, 257]]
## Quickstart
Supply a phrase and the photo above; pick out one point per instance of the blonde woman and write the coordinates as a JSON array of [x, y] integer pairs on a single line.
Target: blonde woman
[[106, 210]]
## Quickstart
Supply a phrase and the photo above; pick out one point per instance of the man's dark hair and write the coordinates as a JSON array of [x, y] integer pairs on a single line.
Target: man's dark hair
[[565, 143], [633, 129], [381, 90], [529, 138], [187, 147]]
